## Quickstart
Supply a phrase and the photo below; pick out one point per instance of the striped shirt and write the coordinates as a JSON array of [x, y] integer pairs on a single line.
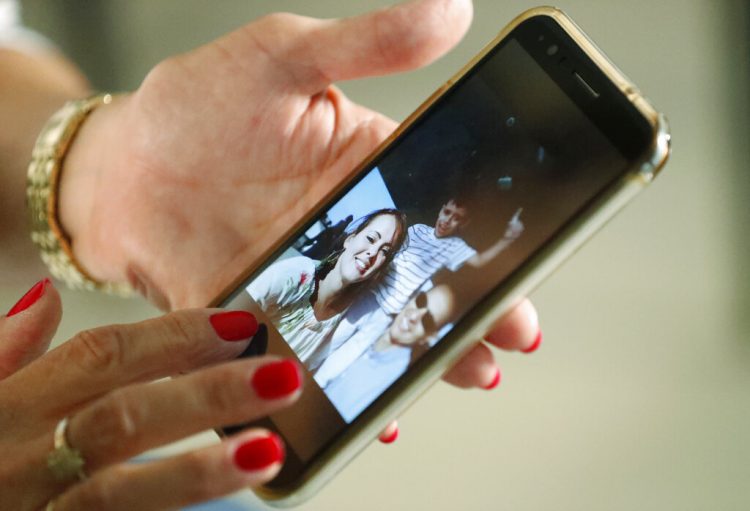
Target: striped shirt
[[424, 256]]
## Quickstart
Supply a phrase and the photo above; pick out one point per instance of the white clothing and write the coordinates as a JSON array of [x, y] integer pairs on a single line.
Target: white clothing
[[283, 292], [366, 379], [362, 325]]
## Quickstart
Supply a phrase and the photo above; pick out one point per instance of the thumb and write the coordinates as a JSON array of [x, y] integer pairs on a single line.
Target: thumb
[[28, 327], [398, 38]]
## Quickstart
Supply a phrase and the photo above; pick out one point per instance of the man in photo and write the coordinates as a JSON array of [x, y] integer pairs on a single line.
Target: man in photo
[[388, 357]]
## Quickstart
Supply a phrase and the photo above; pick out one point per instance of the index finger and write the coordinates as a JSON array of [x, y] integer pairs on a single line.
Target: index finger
[[516, 215], [97, 361]]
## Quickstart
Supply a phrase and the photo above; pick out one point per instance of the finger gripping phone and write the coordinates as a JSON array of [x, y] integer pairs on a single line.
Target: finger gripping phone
[[497, 178]]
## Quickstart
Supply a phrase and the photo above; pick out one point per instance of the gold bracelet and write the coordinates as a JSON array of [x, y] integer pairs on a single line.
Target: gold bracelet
[[42, 190]]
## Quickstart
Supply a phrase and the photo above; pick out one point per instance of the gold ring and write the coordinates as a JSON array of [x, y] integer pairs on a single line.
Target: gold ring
[[64, 461]]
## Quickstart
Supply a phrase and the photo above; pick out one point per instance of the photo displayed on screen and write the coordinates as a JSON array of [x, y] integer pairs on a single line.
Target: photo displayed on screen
[[430, 229], [355, 299]]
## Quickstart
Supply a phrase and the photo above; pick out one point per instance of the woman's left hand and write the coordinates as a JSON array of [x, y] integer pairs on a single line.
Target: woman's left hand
[[101, 382]]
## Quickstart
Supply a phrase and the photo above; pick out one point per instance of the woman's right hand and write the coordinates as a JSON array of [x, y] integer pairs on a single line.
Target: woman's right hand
[[102, 380]]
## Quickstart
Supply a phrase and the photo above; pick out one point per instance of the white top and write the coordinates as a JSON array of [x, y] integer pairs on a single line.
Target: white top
[[424, 256], [363, 323], [283, 292], [366, 379]]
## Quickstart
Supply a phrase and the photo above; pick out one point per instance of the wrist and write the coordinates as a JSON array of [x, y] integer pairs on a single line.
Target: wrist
[[32, 88], [45, 175], [82, 175]]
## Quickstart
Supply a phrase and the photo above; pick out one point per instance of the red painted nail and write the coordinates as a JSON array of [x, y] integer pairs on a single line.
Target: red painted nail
[[495, 381], [260, 453], [535, 344], [30, 298], [277, 379], [234, 325], [390, 438]]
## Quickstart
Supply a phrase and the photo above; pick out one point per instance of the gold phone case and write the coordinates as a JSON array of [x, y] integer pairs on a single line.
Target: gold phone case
[[505, 297]]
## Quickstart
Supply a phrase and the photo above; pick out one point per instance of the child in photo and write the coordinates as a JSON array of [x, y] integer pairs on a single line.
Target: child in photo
[[432, 248]]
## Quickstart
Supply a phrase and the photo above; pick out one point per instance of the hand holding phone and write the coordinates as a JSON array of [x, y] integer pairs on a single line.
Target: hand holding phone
[[161, 215], [542, 108]]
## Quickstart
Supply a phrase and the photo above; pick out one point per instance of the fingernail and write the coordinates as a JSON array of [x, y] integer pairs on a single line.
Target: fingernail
[[495, 381], [30, 298], [390, 438], [259, 453], [277, 379], [535, 345], [234, 325]]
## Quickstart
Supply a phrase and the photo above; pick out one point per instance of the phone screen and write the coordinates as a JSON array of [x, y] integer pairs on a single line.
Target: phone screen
[[372, 285]]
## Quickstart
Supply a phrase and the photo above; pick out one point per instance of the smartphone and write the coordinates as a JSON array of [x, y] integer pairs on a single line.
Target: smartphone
[[497, 178]]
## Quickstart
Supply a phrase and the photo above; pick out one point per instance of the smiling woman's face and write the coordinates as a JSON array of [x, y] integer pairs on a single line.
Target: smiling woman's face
[[366, 251]]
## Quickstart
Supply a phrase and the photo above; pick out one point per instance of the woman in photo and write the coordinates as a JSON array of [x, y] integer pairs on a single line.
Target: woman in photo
[[305, 299]]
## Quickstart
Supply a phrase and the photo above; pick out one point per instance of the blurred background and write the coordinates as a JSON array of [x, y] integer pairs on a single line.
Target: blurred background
[[639, 397]]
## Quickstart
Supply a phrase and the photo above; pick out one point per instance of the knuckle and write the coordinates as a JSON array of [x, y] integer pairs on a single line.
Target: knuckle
[[200, 475], [279, 21], [178, 327], [96, 493], [275, 33], [100, 348], [125, 414], [179, 339], [396, 36], [113, 426], [163, 72], [415, 44], [217, 391]]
